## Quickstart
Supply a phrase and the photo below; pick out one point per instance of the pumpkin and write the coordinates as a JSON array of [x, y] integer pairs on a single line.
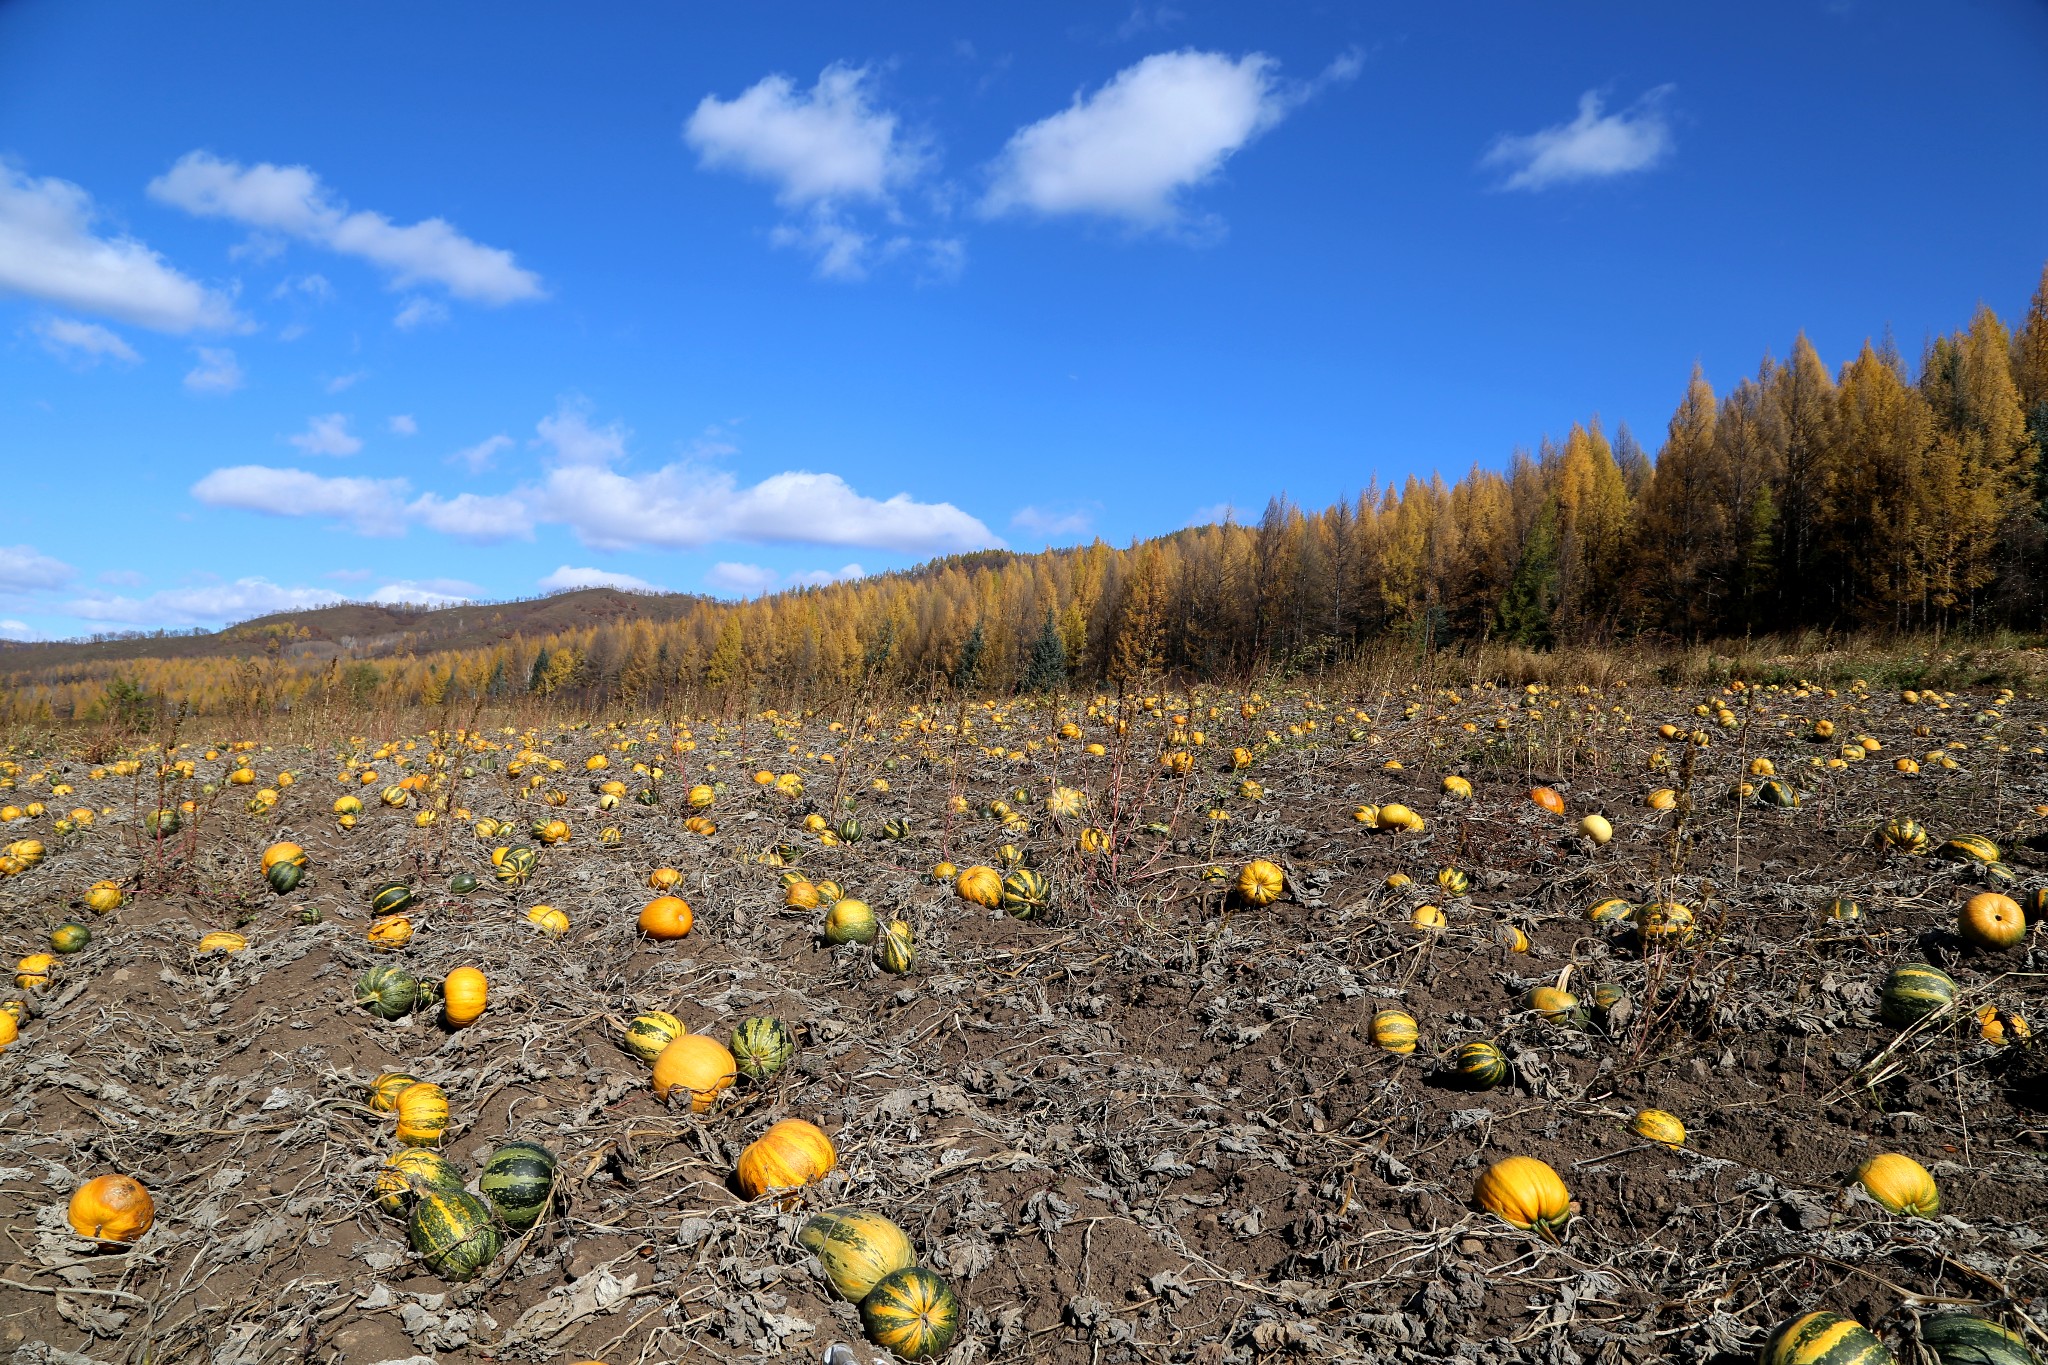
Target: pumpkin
[[464, 994], [1914, 991], [800, 895], [410, 1172], [283, 853], [1844, 911], [1428, 918], [911, 1312], [856, 1247], [1776, 792], [70, 937], [1458, 787], [702, 797], [829, 893], [1394, 1031], [1607, 998], [1995, 1025], [1661, 799], [666, 917], [664, 879], [649, 1033], [761, 1047], [1974, 848], [1824, 1339], [1481, 1066], [1657, 1125], [111, 1208], [1992, 921], [1556, 1006], [550, 921], [1260, 882], [1904, 836], [161, 824], [697, 1065], [453, 1232], [1453, 881], [791, 1154], [1960, 1339], [390, 898], [1661, 922], [1526, 1193], [1901, 1184], [388, 992], [222, 941], [462, 883], [895, 949], [1612, 910], [518, 1181], [515, 864], [850, 921], [384, 1089], [422, 1110], [1025, 894], [1396, 816], [849, 830], [1549, 798], [103, 897], [1597, 828], [392, 931]]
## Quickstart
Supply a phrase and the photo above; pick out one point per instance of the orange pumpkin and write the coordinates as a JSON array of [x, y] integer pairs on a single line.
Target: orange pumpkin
[[464, 994], [664, 879], [1525, 1192], [666, 917], [1992, 921], [697, 1064], [111, 1208], [791, 1154], [1549, 798], [981, 885], [1260, 882]]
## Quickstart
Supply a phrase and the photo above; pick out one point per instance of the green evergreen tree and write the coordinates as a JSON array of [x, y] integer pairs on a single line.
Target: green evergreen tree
[[1047, 669], [538, 679], [1525, 611], [968, 666]]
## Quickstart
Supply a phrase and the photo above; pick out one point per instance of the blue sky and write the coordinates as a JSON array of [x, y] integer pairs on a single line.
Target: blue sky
[[301, 303]]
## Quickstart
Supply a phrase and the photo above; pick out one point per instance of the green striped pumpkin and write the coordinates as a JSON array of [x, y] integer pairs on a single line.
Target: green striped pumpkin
[[848, 830], [2005, 874], [1776, 792], [161, 824], [1025, 894], [517, 865], [1453, 881], [1972, 848], [1612, 910], [453, 1232], [411, 1171], [762, 1046], [895, 829], [390, 898], [1905, 836], [857, 1247], [1825, 1339], [1481, 1066], [519, 1180], [285, 877], [1913, 991], [911, 1312], [1844, 910], [1960, 1339], [462, 883], [387, 991], [1607, 998], [895, 949], [648, 1034]]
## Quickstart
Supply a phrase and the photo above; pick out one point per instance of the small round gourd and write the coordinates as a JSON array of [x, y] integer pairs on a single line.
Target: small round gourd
[[391, 898], [519, 1180], [791, 1154], [912, 1312], [1260, 882], [453, 1232], [389, 992], [1526, 1193], [649, 1033], [1824, 1338], [850, 921], [1025, 894], [856, 1247], [1481, 1065], [1901, 1184], [1395, 1031], [761, 1047], [1912, 992], [111, 1208]]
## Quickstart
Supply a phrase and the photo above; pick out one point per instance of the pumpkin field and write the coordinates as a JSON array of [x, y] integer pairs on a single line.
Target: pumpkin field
[[1404, 1018]]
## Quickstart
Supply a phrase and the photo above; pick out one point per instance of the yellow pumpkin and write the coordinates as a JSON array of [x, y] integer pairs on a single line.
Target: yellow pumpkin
[[422, 1110], [697, 1065], [1901, 1184], [385, 1089], [111, 1208], [222, 941], [666, 917], [664, 879], [464, 994], [103, 897], [1992, 921], [1656, 1125], [1525, 1192], [550, 921], [791, 1154], [1260, 882], [33, 971]]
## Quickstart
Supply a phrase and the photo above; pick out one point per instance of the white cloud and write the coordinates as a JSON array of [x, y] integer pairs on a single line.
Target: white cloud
[[1052, 523], [420, 311], [1220, 513], [11, 629], [840, 249], [1158, 128], [402, 424], [568, 432], [312, 286], [84, 344], [372, 507], [124, 578], [48, 250], [822, 146], [327, 435], [818, 578], [341, 383], [477, 458], [742, 578], [569, 578], [211, 604], [1593, 146], [432, 593], [291, 200], [216, 372], [23, 568], [483, 518]]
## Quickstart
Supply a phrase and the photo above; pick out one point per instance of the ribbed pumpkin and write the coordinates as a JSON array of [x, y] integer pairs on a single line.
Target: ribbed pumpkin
[[550, 921], [1662, 922], [222, 941], [981, 885], [1612, 910], [761, 1047], [464, 994], [699, 1066], [1912, 992], [1974, 848], [911, 1312], [1395, 1031], [791, 1154], [1548, 798], [895, 948], [515, 864], [102, 897], [111, 1208], [390, 898], [666, 917], [1825, 1339], [388, 992], [830, 892], [856, 1247], [283, 853], [1452, 881], [422, 1110], [800, 895], [1901, 1184], [850, 921], [1025, 894], [453, 1232], [649, 1033], [1556, 1006], [519, 1180], [1481, 1066], [1776, 792], [1525, 1192], [664, 879], [1260, 882], [1608, 997], [1992, 921], [1904, 836], [389, 932], [1960, 1339], [384, 1090], [1657, 1125], [410, 1172]]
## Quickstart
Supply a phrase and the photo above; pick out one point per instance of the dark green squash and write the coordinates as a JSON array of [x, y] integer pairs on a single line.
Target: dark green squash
[[911, 1312], [1960, 1339], [1912, 992], [519, 1180], [390, 898], [462, 883], [453, 1232], [1825, 1339], [761, 1047], [285, 877], [388, 991], [1026, 894]]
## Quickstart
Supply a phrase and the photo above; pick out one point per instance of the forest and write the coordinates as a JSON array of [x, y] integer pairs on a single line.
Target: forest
[[1881, 496]]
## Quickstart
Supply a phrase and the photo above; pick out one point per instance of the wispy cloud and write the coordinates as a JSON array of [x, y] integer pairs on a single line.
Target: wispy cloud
[[24, 568], [1053, 523], [1593, 146], [341, 383], [402, 424], [477, 458], [83, 344], [326, 435], [566, 578], [217, 371]]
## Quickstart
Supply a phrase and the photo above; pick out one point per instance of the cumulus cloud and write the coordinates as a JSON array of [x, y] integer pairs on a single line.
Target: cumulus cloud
[[823, 145], [1593, 146], [216, 372], [568, 433], [49, 250], [11, 629], [1053, 523], [209, 605], [402, 424], [434, 592], [479, 517], [23, 568], [1131, 150], [291, 200], [477, 458], [326, 435], [566, 578], [818, 578], [84, 344], [741, 578], [371, 507]]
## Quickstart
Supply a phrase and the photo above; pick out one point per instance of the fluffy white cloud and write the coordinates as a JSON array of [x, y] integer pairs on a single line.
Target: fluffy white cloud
[[483, 518], [84, 344], [478, 457], [420, 311], [818, 578], [372, 507], [566, 578], [839, 249], [824, 145], [1053, 523], [291, 200], [48, 250], [1593, 146], [11, 629], [23, 568], [741, 578], [402, 425], [1129, 150], [567, 431], [326, 435], [216, 372], [212, 604], [434, 592]]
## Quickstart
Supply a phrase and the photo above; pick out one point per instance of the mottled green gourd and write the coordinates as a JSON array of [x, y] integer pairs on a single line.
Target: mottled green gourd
[[390, 898], [453, 1232], [519, 1180], [761, 1047], [1914, 991]]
